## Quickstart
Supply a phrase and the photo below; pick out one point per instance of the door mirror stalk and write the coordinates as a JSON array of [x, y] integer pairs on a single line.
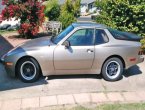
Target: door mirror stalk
[[66, 44]]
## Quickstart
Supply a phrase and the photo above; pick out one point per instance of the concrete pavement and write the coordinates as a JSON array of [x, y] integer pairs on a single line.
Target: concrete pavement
[[10, 88], [71, 89], [40, 102]]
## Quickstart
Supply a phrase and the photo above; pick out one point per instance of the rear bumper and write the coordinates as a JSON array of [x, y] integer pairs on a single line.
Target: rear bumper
[[140, 59], [137, 60]]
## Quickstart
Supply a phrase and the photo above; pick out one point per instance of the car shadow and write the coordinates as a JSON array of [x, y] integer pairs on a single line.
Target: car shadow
[[14, 83], [134, 70], [5, 46], [42, 34], [6, 82], [82, 76]]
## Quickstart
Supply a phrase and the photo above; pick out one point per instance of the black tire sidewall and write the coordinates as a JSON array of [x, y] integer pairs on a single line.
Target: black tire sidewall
[[36, 66], [104, 74]]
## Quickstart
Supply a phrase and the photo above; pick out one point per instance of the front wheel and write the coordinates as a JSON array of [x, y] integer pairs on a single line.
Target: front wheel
[[112, 69], [28, 70]]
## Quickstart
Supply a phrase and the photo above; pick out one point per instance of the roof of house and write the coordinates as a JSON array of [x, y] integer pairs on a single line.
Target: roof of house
[[88, 24], [87, 1]]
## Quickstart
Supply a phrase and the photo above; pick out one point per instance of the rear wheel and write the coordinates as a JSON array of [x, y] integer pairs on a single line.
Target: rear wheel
[[112, 69], [28, 70]]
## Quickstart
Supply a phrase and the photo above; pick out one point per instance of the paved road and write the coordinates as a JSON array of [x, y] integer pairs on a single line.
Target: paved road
[[133, 80], [84, 19]]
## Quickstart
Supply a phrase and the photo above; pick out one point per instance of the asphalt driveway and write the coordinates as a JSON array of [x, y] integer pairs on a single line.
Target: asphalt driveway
[[133, 80]]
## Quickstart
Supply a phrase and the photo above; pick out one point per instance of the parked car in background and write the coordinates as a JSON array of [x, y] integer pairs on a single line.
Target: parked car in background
[[82, 48], [8, 25]]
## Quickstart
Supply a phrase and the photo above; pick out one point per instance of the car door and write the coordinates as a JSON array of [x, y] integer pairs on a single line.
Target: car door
[[79, 55]]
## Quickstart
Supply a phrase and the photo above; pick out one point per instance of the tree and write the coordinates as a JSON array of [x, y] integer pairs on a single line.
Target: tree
[[52, 10], [30, 13], [69, 12], [76, 7]]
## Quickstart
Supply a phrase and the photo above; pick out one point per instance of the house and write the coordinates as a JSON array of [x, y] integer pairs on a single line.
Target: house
[[87, 7]]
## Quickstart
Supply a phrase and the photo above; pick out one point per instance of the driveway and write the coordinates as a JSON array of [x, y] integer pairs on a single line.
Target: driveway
[[10, 88], [133, 80]]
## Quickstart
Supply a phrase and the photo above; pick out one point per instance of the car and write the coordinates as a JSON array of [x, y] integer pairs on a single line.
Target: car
[[82, 48]]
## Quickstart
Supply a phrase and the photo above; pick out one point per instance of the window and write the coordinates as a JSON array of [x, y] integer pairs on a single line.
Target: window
[[82, 37], [62, 34], [124, 35], [101, 37]]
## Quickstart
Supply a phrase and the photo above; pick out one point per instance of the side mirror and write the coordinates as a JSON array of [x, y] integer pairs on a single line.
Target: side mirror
[[66, 44]]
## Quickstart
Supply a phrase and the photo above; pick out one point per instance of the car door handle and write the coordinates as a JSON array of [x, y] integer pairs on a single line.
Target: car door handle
[[89, 51]]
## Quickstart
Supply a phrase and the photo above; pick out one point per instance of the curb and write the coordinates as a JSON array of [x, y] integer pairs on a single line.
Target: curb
[[73, 99]]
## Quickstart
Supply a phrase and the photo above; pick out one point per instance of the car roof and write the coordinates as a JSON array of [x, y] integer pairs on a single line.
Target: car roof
[[88, 24]]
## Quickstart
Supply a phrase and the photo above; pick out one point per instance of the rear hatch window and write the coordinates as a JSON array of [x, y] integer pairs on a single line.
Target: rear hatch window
[[124, 35]]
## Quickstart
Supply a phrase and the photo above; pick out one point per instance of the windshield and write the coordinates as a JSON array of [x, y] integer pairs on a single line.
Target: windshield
[[124, 35], [60, 36]]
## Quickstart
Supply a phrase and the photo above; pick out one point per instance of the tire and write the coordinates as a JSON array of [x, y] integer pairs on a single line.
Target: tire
[[28, 70], [112, 69]]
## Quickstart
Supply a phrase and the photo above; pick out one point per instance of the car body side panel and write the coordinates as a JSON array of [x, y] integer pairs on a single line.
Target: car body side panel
[[125, 49], [42, 55], [44, 58], [104, 51], [73, 58]]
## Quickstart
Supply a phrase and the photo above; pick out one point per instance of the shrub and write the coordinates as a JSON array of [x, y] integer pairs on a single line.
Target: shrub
[[66, 19], [69, 12], [30, 13], [52, 10]]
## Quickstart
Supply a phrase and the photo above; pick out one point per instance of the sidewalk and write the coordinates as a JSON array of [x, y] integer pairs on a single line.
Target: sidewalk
[[71, 99]]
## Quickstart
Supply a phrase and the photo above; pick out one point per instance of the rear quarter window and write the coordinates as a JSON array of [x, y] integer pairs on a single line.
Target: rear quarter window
[[101, 37], [124, 35]]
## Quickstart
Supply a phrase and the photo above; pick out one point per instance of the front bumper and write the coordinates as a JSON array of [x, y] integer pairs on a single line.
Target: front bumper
[[2, 61], [9, 69]]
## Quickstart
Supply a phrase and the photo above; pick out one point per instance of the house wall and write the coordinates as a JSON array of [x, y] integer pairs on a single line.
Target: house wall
[[83, 9], [90, 7]]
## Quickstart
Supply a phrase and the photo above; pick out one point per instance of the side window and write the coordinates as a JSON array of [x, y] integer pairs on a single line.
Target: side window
[[82, 37], [101, 37]]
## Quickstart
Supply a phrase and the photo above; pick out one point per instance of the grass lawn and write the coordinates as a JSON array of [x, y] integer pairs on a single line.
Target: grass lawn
[[6, 32], [134, 106], [138, 106]]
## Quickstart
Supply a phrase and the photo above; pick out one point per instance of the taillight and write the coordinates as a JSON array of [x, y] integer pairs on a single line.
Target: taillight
[[140, 52]]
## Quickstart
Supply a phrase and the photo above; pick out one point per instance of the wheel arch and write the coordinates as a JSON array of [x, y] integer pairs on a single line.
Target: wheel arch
[[27, 56], [116, 56]]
